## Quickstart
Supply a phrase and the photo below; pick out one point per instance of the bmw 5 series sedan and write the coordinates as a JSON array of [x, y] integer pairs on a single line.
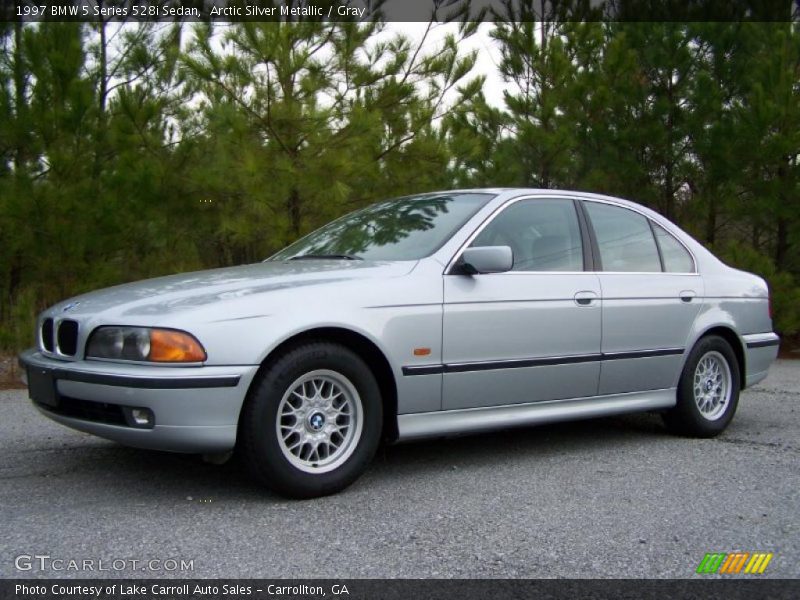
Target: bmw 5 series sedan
[[431, 315]]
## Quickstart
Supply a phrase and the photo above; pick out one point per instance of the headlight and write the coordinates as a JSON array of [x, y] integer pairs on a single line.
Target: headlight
[[144, 344]]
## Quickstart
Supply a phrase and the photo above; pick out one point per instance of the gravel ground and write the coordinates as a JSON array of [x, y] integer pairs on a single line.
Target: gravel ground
[[616, 497]]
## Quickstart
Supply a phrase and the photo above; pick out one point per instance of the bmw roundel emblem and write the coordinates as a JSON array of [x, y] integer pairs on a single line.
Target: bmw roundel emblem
[[317, 421], [70, 306]]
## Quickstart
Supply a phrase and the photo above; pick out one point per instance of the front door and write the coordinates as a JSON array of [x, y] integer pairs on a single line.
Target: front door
[[531, 334]]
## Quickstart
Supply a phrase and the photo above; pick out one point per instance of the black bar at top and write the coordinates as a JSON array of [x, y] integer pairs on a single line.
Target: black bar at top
[[400, 10]]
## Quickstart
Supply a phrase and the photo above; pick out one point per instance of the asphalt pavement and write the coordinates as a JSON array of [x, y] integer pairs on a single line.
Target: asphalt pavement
[[616, 498]]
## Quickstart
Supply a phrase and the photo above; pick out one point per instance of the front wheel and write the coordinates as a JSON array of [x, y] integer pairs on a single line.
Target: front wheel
[[312, 421], [708, 391]]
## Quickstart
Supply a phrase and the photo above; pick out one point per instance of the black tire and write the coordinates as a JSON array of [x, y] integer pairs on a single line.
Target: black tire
[[687, 418], [265, 455]]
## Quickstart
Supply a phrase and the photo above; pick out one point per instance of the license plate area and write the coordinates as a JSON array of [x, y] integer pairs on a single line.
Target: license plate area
[[42, 386]]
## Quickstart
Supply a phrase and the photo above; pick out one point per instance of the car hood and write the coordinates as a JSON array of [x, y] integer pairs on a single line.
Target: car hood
[[187, 291]]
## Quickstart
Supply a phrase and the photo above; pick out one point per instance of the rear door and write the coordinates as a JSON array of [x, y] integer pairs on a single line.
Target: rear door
[[533, 333], [651, 297]]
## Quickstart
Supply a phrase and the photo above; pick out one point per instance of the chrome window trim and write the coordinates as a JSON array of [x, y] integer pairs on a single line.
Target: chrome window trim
[[670, 234], [649, 221], [596, 272], [493, 215], [580, 198], [695, 274]]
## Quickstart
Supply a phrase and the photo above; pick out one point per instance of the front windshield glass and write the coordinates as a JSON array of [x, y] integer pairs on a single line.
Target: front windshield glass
[[406, 228]]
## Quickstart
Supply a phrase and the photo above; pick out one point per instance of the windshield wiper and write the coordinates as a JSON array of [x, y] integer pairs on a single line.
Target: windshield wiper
[[324, 256]]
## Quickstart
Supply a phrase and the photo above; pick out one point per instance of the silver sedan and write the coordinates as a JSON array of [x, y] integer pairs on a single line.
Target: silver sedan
[[429, 315]]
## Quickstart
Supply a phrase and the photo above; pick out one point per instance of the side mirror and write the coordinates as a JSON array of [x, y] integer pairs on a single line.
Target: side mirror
[[485, 259]]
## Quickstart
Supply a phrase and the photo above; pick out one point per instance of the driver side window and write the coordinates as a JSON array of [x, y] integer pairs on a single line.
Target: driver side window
[[543, 235]]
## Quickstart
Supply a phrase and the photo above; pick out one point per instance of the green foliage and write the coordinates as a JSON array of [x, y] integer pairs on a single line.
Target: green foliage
[[700, 121], [138, 151], [142, 149], [304, 121], [784, 288]]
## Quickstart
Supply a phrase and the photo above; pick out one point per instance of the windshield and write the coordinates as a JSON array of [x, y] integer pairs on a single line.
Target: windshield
[[406, 228]]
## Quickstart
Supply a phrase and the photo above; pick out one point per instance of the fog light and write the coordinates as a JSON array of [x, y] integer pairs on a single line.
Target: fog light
[[141, 417]]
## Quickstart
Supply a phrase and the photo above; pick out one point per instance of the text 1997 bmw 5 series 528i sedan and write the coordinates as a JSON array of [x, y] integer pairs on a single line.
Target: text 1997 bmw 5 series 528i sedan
[[428, 315]]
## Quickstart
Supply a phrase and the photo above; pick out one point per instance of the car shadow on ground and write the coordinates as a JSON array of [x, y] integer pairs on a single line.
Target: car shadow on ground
[[139, 474]]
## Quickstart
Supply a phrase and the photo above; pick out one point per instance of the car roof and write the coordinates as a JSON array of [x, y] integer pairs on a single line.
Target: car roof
[[522, 191], [511, 192]]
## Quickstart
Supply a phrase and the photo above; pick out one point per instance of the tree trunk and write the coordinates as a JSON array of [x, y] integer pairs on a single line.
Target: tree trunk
[[784, 201], [669, 176], [102, 101], [293, 203], [782, 244], [103, 91], [669, 200], [20, 100], [544, 92], [711, 220], [21, 153]]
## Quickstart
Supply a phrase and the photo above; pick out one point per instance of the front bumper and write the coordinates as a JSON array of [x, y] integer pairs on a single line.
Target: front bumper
[[196, 409]]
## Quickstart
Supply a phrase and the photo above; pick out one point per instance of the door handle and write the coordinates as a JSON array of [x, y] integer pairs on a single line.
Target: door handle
[[585, 298], [687, 295]]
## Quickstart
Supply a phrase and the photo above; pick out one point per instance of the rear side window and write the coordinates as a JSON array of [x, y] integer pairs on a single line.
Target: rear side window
[[676, 258], [543, 234], [624, 238]]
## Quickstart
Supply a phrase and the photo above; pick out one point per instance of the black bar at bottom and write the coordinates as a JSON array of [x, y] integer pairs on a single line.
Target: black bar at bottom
[[730, 588]]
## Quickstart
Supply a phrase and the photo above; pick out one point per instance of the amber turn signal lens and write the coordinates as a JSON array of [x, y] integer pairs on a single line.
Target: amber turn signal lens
[[174, 346]]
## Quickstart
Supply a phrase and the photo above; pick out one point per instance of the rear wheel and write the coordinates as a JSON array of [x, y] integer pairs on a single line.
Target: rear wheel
[[708, 391], [312, 421]]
